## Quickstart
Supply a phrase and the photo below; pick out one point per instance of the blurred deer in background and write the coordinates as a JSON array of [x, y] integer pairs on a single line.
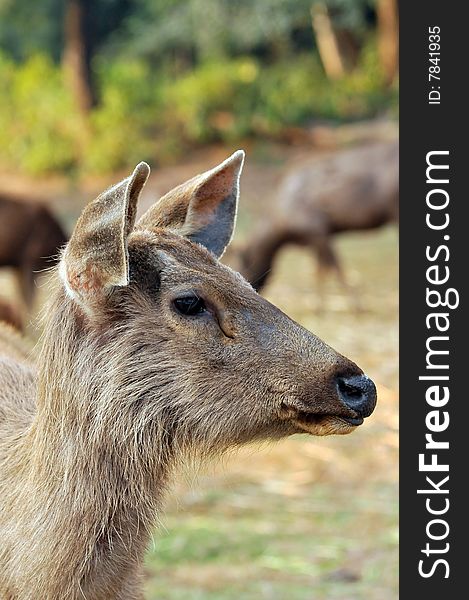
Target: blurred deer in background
[[30, 240], [153, 352], [353, 190], [10, 314]]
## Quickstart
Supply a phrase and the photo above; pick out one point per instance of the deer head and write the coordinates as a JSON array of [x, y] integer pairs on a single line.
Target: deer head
[[188, 344]]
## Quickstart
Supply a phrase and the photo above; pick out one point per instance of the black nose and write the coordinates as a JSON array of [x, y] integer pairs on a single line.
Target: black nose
[[358, 393]]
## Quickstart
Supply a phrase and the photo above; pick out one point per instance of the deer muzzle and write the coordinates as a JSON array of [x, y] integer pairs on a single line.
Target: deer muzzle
[[358, 393]]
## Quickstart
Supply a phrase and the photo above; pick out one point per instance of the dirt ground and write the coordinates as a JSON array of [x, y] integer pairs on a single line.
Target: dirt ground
[[307, 518]]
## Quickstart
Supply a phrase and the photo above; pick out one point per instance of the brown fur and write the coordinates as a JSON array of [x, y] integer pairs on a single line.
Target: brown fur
[[352, 190], [30, 240], [126, 388]]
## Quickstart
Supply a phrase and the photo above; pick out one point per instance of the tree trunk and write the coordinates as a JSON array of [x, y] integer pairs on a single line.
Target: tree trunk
[[388, 38], [327, 42], [76, 58]]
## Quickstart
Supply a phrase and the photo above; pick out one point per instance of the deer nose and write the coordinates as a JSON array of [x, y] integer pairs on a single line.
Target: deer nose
[[358, 393]]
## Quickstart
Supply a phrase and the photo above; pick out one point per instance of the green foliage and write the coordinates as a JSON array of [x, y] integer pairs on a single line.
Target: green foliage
[[41, 131], [121, 126], [152, 114], [27, 28], [154, 28], [38, 127], [171, 75], [213, 102], [17, 35], [232, 99], [212, 28]]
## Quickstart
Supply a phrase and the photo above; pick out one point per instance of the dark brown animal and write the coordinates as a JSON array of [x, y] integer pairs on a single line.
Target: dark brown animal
[[9, 314], [30, 241], [353, 190], [153, 353]]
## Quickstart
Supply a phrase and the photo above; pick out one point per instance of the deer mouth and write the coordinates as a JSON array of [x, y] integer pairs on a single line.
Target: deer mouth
[[317, 423], [320, 424], [326, 424]]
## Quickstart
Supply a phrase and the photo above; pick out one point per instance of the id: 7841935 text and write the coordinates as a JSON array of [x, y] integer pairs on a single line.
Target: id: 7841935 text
[[434, 70]]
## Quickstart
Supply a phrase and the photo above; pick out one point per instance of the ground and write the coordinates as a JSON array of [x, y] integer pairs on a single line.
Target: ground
[[307, 518]]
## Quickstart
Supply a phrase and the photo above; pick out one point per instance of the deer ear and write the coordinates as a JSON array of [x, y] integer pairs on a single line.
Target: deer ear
[[96, 257], [203, 209]]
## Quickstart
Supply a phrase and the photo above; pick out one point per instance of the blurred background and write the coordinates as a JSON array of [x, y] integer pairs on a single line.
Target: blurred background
[[309, 88]]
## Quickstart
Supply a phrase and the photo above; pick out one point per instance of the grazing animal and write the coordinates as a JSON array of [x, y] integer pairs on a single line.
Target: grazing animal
[[9, 314], [153, 352], [30, 240], [353, 190]]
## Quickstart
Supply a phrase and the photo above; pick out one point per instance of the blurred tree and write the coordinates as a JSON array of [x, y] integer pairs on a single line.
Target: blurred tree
[[350, 21], [183, 33], [86, 27], [340, 27], [388, 38], [327, 41], [71, 30], [194, 31], [77, 53]]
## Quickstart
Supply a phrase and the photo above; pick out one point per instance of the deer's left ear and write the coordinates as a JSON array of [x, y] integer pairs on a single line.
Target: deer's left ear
[[96, 257], [202, 209]]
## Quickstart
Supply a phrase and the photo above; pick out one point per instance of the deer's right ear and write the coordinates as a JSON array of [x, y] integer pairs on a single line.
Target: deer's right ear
[[96, 257], [202, 209]]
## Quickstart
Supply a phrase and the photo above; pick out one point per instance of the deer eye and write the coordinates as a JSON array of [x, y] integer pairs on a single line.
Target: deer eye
[[190, 306]]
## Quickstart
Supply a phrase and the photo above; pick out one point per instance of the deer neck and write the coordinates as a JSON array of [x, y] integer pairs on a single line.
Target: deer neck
[[104, 466]]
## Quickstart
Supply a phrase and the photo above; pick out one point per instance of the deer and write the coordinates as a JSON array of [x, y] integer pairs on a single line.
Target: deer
[[30, 240], [153, 353], [10, 314], [354, 189]]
